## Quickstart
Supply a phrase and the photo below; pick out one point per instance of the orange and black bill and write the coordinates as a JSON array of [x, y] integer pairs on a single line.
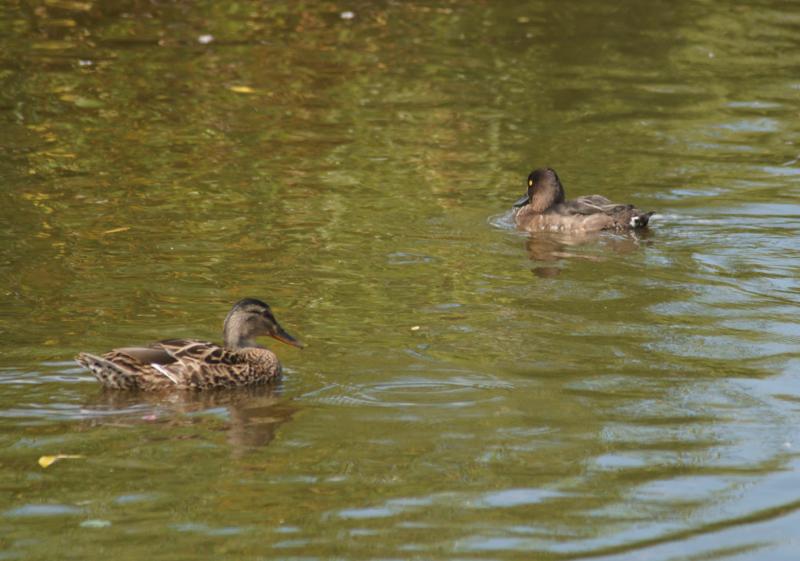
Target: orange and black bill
[[281, 335]]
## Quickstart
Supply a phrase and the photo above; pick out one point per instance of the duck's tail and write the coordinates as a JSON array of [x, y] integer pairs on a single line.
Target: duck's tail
[[109, 374], [640, 220]]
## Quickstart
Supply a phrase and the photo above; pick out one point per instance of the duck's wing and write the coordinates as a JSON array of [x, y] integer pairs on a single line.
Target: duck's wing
[[117, 372], [592, 204], [188, 373], [131, 368], [202, 365], [165, 352], [202, 351], [170, 364], [145, 355], [607, 214]]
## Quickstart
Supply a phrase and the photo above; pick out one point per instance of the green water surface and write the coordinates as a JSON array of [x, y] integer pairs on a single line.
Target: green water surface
[[467, 392]]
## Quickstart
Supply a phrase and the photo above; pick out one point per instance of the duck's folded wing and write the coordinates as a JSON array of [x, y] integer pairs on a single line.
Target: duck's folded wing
[[592, 204], [202, 351], [147, 355], [137, 368], [190, 373]]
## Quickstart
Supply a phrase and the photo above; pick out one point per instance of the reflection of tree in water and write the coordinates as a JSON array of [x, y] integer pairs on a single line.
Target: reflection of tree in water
[[550, 249], [253, 414]]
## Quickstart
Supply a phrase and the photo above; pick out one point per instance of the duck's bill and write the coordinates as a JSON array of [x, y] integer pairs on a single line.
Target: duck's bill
[[281, 335], [523, 201]]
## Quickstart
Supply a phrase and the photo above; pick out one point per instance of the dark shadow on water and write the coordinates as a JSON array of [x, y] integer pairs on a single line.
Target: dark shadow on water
[[252, 414], [549, 250]]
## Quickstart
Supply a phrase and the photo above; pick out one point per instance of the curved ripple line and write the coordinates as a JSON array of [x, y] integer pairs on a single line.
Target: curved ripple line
[[758, 516], [370, 394]]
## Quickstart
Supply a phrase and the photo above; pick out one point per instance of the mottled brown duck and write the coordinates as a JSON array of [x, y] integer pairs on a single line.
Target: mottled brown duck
[[188, 364], [544, 208]]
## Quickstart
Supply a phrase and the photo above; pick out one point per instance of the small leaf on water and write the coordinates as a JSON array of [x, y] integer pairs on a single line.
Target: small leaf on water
[[70, 5], [47, 461], [82, 102], [242, 89], [86, 103], [117, 230]]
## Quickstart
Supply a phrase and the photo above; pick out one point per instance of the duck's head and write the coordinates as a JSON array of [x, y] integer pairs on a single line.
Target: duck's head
[[544, 190], [250, 318]]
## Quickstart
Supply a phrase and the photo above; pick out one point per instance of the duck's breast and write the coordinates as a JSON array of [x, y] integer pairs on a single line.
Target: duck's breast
[[262, 366]]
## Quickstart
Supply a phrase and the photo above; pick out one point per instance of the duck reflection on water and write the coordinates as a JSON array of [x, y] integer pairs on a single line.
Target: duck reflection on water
[[252, 414], [548, 249]]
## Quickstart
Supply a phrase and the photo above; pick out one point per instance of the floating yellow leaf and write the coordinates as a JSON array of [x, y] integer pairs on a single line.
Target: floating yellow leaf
[[117, 230], [61, 23], [80, 101], [242, 89], [70, 5], [47, 461]]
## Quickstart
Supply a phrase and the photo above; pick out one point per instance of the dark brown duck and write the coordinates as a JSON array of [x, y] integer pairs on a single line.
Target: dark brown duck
[[544, 208], [188, 364]]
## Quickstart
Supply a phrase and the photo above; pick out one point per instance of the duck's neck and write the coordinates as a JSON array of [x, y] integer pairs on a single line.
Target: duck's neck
[[235, 334], [236, 343], [547, 196]]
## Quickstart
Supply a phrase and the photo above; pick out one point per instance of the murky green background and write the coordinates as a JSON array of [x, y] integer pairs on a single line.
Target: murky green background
[[617, 398]]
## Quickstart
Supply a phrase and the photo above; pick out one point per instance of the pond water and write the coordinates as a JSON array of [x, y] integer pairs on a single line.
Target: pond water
[[467, 392]]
